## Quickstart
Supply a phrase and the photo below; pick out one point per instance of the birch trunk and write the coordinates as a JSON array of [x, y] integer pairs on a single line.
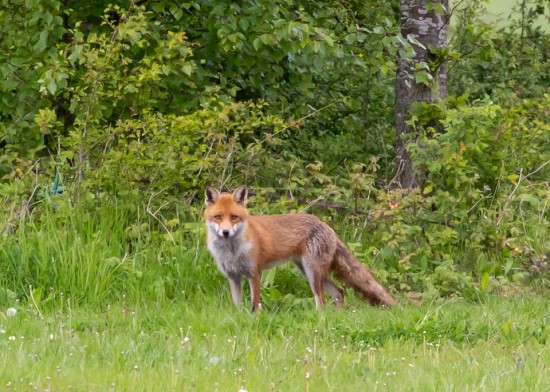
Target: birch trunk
[[423, 24]]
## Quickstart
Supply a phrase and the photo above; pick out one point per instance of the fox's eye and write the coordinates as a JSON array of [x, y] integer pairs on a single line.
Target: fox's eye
[[218, 217], [234, 217]]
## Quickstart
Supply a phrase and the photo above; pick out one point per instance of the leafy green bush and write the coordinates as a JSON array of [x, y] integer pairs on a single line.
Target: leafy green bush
[[500, 62], [482, 211], [112, 120]]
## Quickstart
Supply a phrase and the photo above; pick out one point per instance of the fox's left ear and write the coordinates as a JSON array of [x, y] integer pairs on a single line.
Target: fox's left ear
[[210, 195], [240, 195]]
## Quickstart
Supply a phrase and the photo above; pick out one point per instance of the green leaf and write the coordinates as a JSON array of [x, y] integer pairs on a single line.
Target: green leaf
[[31, 3], [256, 43], [42, 41], [52, 87], [422, 77], [318, 62], [187, 68], [130, 88], [266, 39], [36, 295], [427, 189], [484, 282], [529, 198], [176, 12], [76, 54], [244, 23]]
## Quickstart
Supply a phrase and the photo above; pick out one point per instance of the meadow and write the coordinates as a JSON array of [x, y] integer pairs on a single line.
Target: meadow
[[205, 344], [102, 306], [499, 11]]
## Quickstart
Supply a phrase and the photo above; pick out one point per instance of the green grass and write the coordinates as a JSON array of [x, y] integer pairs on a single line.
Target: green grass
[[204, 344], [498, 12], [102, 254], [106, 301]]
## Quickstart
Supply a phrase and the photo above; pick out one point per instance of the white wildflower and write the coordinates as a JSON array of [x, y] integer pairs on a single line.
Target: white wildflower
[[214, 360]]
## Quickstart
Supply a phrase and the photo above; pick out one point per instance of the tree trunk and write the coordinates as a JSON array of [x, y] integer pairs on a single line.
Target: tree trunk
[[421, 77]]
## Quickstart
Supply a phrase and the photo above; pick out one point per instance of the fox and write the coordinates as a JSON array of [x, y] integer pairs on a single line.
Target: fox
[[244, 245]]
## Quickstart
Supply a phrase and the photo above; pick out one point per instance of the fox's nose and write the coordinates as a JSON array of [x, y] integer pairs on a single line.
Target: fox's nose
[[225, 233]]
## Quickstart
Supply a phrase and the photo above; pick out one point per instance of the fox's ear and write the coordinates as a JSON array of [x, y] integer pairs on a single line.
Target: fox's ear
[[210, 195], [240, 195]]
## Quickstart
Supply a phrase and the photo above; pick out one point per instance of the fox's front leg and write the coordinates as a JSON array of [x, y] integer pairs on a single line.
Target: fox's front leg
[[254, 283], [235, 288]]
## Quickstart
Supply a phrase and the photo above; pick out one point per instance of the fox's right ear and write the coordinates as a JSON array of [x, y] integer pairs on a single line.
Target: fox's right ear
[[211, 195]]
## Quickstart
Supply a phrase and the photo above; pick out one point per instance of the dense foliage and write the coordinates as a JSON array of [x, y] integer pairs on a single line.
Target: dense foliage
[[115, 114]]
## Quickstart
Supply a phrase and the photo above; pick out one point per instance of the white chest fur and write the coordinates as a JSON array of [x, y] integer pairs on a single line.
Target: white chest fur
[[231, 254]]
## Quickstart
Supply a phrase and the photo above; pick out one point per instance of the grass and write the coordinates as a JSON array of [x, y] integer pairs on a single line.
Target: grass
[[204, 344], [105, 301], [500, 10]]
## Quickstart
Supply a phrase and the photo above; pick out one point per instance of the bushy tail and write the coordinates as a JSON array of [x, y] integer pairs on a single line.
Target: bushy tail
[[352, 272]]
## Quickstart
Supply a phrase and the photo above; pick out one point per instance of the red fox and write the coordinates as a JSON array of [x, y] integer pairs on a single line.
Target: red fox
[[244, 245]]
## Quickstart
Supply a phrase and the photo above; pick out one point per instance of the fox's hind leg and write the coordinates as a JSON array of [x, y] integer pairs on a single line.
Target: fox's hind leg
[[335, 291], [328, 285], [316, 284], [316, 279]]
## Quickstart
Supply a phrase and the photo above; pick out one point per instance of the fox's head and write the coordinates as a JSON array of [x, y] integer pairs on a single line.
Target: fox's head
[[226, 213]]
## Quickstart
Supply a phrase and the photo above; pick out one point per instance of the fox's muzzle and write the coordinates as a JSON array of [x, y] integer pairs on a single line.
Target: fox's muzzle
[[225, 232]]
